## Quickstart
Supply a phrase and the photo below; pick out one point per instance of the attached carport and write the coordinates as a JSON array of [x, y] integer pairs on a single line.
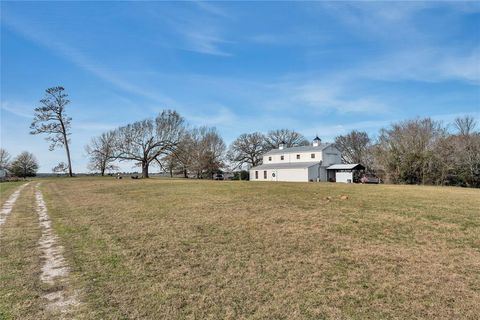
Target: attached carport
[[344, 172]]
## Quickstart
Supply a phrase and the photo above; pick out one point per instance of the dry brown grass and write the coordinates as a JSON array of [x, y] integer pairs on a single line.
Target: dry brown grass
[[6, 188], [169, 249], [20, 287]]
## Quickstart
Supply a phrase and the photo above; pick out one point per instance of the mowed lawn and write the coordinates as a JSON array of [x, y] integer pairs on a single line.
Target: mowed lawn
[[178, 249]]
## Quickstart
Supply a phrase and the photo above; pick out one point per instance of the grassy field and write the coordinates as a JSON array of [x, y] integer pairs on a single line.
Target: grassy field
[[6, 188], [176, 249]]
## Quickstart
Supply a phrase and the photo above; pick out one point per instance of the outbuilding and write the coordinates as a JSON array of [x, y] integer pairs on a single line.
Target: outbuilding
[[346, 173]]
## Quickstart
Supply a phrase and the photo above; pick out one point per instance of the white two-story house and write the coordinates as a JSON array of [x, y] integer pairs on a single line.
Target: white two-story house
[[305, 163]]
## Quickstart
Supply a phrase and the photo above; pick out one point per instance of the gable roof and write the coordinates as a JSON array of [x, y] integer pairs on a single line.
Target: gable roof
[[299, 149], [290, 165]]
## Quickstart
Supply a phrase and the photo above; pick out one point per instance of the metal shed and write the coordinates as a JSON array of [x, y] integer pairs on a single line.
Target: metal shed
[[344, 172]]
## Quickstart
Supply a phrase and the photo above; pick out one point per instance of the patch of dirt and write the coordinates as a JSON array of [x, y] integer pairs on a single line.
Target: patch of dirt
[[57, 300], [54, 268], [8, 205]]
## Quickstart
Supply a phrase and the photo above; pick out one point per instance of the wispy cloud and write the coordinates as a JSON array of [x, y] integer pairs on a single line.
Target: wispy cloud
[[204, 41], [223, 116], [409, 50], [376, 19], [197, 29], [429, 64], [324, 97], [211, 8], [76, 57], [330, 131], [17, 109]]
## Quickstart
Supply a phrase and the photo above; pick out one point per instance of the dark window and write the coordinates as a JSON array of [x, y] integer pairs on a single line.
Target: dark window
[[269, 158], [265, 174], [298, 156], [256, 175], [313, 155], [281, 157]]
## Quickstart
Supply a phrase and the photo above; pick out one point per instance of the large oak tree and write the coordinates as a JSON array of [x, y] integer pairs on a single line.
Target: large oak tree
[[288, 137], [247, 149], [148, 140]]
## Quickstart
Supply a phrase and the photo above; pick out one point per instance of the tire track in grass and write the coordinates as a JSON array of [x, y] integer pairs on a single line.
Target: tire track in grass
[[54, 270], [8, 205]]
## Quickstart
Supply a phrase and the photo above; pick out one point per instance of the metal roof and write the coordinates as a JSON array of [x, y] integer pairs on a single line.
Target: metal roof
[[298, 149], [291, 165], [346, 166]]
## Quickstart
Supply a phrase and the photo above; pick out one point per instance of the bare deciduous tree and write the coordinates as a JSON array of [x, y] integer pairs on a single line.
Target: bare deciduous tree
[[208, 150], [169, 163], [469, 159], [356, 148], [200, 152], [248, 149], [4, 159], [466, 146], [25, 165], [51, 119], [146, 141], [406, 150], [465, 125], [101, 151], [288, 137], [182, 157]]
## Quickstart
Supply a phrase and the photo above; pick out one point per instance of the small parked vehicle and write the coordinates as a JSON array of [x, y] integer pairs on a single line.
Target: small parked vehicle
[[218, 176], [369, 178]]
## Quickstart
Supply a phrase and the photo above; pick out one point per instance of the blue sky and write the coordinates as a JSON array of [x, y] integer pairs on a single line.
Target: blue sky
[[316, 67]]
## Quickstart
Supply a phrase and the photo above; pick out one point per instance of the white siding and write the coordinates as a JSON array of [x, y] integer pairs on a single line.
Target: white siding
[[292, 157], [330, 155], [343, 177], [297, 175], [281, 175], [271, 174]]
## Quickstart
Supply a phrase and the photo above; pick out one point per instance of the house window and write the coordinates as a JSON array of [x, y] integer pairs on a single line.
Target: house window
[[256, 175], [313, 156], [269, 158], [265, 174], [282, 157], [298, 156]]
